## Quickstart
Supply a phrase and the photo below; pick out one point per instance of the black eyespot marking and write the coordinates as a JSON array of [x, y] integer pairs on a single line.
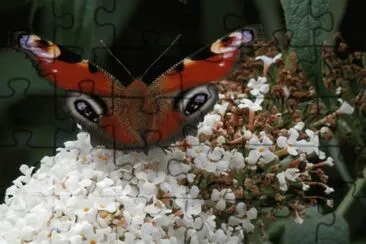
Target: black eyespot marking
[[195, 103], [68, 56], [92, 68], [86, 110]]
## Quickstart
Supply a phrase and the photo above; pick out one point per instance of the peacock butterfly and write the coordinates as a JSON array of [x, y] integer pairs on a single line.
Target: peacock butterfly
[[138, 116]]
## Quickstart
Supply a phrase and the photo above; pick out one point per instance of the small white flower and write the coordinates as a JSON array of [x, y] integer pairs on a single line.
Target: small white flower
[[188, 201], [338, 90], [255, 106], [261, 149], [237, 160], [26, 170], [290, 174], [305, 187], [328, 190], [198, 149], [258, 86], [79, 126], [286, 91], [148, 181], [312, 145], [330, 203], [291, 143], [222, 165], [192, 140], [267, 61], [202, 162], [324, 130], [243, 217], [221, 197], [191, 177], [177, 168], [345, 107], [247, 134], [221, 108], [216, 154], [298, 219], [220, 236], [133, 212], [299, 126], [208, 123], [221, 140], [150, 233], [329, 162]]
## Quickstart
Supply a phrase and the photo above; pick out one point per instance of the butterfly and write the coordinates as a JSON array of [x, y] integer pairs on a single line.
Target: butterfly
[[138, 116]]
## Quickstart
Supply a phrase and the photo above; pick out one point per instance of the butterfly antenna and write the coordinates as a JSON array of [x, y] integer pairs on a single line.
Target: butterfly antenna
[[161, 55], [118, 61]]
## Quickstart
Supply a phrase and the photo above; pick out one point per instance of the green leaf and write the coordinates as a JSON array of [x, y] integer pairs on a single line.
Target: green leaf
[[307, 22], [317, 228]]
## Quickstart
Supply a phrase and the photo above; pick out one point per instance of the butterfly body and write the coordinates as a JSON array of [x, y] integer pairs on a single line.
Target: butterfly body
[[139, 115]]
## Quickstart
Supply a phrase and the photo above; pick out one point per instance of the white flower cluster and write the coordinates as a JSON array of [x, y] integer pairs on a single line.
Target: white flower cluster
[[259, 87], [95, 195], [215, 160]]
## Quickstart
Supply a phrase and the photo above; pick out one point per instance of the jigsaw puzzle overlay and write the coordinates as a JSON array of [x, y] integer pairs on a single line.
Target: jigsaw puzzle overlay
[[270, 152]]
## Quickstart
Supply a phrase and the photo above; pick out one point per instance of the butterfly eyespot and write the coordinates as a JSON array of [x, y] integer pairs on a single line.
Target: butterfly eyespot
[[195, 103], [39, 47], [86, 109], [198, 100]]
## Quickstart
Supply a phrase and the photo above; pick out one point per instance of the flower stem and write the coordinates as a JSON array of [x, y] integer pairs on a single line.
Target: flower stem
[[353, 203], [237, 140], [324, 120], [251, 119], [281, 152]]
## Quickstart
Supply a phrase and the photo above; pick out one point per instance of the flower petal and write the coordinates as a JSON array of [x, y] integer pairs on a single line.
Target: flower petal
[[282, 142], [292, 151], [253, 157]]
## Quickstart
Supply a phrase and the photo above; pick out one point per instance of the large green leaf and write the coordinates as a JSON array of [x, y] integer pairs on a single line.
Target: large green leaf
[[331, 228], [307, 22]]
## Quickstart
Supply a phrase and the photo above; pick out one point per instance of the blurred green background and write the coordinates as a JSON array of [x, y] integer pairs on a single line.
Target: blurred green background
[[32, 122]]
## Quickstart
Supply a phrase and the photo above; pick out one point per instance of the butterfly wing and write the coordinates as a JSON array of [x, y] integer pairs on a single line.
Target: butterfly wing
[[94, 107], [210, 63], [185, 93], [65, 69]]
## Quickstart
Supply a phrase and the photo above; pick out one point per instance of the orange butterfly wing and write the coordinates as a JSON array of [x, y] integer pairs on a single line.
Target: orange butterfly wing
[[65, 69], [209, 64], [126, 120]]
